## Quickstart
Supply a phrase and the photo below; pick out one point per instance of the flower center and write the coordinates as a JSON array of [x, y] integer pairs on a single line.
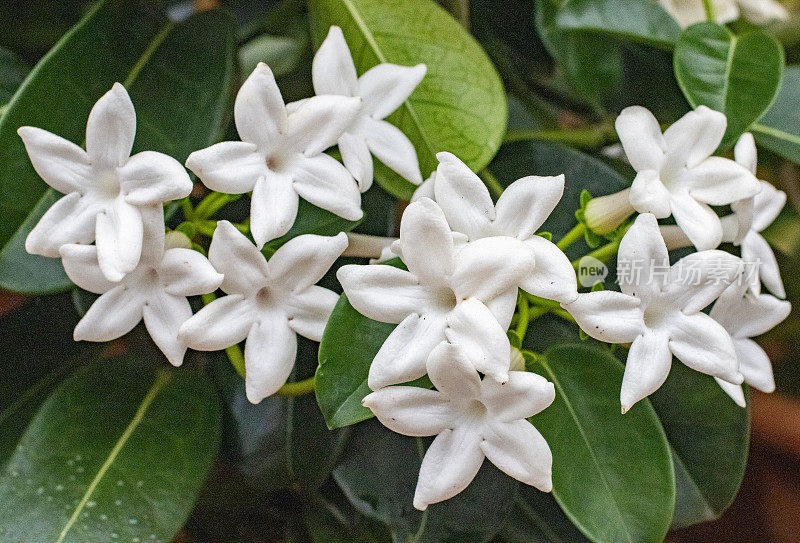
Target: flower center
[[265, 297], [444, 299], [657, 314], [108, 184], [278, 161]]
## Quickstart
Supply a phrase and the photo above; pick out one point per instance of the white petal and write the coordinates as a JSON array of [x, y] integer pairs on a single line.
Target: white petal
[[269, 355], [449, 465], [519, 450], [526, 203], [745, 152], [736, 226], [153, 178], [118, 235], [357, 159], [694, 137], [385, 87], [698, 221], [463, 197], [427, 242], [402, 356], [703, 344], [70, 220], [62, 164], [524, 395], [222, 323], [647, 367], [185, 272], [503, 306], [323, 181], [411, 411], [720, 181], [473, 327], [452, 372], [698, 279], [111, 128], [304, 260], [383, 293], [490, 266], [744, 315], [426, 189], [649, 195], [80, 263], [232, 167], [259, 112], [767, 205], [164, 314], [318, 122], [273, 207], [762, 11], [333, 71], [641, 138], [308, 311], [112, 315], [392, 147], [609, 316], [755, 249], [642, 261], [244, 268], [553, 276], [736, 392], [754, 365]]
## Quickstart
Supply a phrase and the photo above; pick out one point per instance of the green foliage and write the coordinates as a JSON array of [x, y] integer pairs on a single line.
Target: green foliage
[[12, 72], [779, 129]]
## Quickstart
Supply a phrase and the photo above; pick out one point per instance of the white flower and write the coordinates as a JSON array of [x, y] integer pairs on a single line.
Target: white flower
[[155, 290], [659, 311], [676, 174], [466, 296], [382, 89], [105, 188], [688, 12], [280, 156], [474, 419], [520, 211], [745, 316], [426, 189], [268, 303]]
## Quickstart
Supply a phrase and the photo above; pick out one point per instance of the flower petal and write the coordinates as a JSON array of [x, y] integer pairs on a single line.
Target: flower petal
[[704, 345], [153, 178], [426, 189], [269, 354], [185, 272], [520, 451], [357, 159], [323, 181], [755, 249], [609, 316], [762, 11], [386, 86], [526, 203], [70, 220], [698, 221], [553, 276], [118, 234], [463, 197], [164, 314], [318, 122], [767, 205], [503, 306], [736, 392], [427, 242], [745, 152], [232, 167], [62, 164], [698, 279], [80, 263], [647, 367], [642, 260], [490, 266], [640, 135], [744, 315], [111, 129], [719, 181], [244, 268], [383, 293], [308, 311], [524, 395], [694, 137], [452, 372], [332, 70], [448, 467], [649, 195], [222, 323], [754, 365], [393, 148], [411, 411], [112, 315], [473, 327], [259, 111], [304, 260], [273, 207]]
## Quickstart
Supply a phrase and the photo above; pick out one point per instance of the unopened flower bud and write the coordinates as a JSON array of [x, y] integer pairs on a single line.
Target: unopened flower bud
[[606, 213]]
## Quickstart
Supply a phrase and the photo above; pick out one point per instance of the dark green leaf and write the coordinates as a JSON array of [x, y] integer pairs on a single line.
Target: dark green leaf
[[459, 106], [281, 53], [178, 78], [537, 518], [737, 75], [779, 129], [118, 451], [612, 473], [12, 71], [313, 220]]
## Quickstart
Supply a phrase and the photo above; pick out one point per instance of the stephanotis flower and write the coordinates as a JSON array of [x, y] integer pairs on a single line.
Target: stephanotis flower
[[659, 311], [382, 90], [676, 175], [106, 190], [465, 296], [156, 290], [280, 156], [267, 303], [689, 12], [744, 316], [472, 419]]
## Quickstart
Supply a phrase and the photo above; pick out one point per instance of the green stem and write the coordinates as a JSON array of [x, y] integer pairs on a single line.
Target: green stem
[[491, 182], [299, 388], [708, 5], [602, 253], [523, 310], [572, 236], [564, 314], [591, 137], [212, 203]]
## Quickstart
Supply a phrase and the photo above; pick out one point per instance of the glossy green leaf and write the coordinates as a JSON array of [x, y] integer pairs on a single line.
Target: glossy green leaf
[[12, 72], [178, 78], [313, 220], [281, 53], [709, 436], [738, 75], [779, 129], [118, 451], [459, 106], [612, 473], [537, 518], [643, 20]]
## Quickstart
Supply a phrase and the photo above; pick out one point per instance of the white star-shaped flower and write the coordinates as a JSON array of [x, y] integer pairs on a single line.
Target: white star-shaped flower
[[472, 419], [155, 290], [466, 296], [659, 311], [520, 211], [689, 12], [744, 316], [106, 189], [382, 89], [676, 174], [280, 156], [267, 303]]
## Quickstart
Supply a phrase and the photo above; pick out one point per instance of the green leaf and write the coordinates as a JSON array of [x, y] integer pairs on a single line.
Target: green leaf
[[12, 72], [737, 75], [313, 220], [779, 129], [643, 21], [537, 518], [118, 451], [281, 53], [459, 106], [709, 436], [612, 473], [178, 78]]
